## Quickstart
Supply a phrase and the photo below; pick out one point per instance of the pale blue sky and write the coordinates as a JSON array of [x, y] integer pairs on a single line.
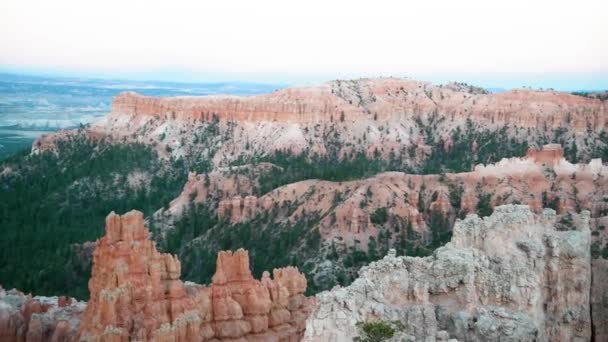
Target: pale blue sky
[[542, 43]]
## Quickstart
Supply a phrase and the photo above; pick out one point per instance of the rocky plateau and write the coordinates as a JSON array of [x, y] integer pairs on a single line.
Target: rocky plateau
[[381, 115]]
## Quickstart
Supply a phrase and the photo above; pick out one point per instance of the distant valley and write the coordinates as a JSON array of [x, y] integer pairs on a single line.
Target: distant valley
[[34, 105]]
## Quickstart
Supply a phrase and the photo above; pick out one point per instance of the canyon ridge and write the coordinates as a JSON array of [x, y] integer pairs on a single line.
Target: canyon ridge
[[331, 179]]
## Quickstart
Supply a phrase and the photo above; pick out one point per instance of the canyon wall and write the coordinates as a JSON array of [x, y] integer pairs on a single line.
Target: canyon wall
[[543, 176], [383, 117], [512, 276], [388, 117], [384, 98]]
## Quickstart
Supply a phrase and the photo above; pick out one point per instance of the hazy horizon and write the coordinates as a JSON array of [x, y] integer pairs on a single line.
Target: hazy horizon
[[565, 83], [548, 44]]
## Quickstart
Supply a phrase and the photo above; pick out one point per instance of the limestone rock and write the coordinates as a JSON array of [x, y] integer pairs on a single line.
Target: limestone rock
[[511, 276]]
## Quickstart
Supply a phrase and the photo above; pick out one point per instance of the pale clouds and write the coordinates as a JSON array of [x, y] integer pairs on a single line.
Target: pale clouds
[[321, 37]]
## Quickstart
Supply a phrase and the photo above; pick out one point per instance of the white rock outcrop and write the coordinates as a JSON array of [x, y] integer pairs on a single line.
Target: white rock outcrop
[[512, 276]]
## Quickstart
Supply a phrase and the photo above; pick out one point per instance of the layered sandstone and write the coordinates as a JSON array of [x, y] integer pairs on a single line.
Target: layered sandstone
[[512, 276], [386, 97], [550, 154], [384, 116], [136, 294], [241, 209], [223, 187], [541, 178], [38, 319]]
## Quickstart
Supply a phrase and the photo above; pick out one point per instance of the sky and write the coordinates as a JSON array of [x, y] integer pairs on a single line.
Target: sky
[[550, 44]]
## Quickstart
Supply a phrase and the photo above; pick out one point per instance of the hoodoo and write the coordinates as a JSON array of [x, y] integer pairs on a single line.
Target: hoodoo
[[38, 319], [136, 293]]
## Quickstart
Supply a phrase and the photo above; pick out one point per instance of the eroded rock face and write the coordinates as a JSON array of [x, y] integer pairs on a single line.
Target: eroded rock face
[[550, 154], [368, 116], [512, 276], [32, 319], [599, 299], [543, 178], [136, 294], [385, 96]]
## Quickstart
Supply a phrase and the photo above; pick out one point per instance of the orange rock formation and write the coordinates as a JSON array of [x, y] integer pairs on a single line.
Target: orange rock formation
[[37, 319], [381, 117], [550, 154], [136, 293], [542, 177], [385, 96]]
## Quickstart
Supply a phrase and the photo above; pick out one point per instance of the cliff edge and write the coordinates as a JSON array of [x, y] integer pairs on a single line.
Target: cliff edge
[[512, 276]]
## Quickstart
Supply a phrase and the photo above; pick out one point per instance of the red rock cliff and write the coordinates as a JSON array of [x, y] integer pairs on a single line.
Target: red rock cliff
[[386, 98], [136, 294]]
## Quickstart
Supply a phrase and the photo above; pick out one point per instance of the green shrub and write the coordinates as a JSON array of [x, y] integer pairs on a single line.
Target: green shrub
[[379, 216], [377, 331], [596, 250], [484, 206]]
